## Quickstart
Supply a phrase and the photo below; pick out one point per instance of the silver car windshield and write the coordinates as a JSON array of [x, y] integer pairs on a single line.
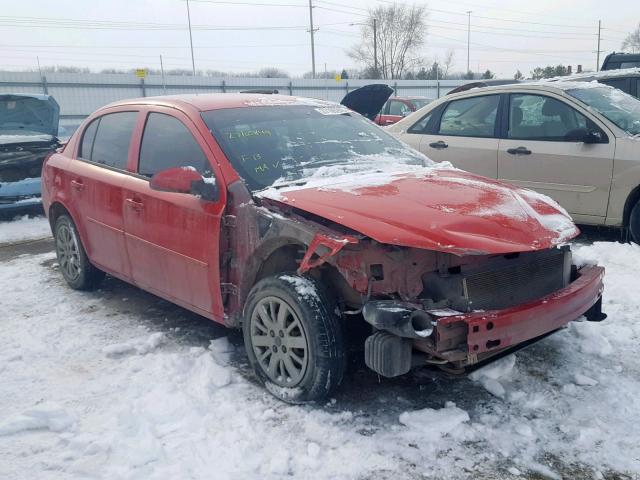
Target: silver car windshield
[[617, 106]]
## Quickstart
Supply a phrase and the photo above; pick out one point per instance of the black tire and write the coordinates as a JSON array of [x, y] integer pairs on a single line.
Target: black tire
[[634, 223], [74, 264], [303, 301]]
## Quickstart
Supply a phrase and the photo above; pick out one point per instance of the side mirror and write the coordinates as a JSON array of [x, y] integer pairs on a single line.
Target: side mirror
[[593, 136], [185, 180], [583, 135]]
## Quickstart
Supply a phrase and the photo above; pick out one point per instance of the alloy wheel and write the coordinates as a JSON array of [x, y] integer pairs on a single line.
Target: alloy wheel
[[279, 342], [68, 252]]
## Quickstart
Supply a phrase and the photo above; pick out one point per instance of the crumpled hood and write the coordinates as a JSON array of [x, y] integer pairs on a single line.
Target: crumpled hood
[[445, 209]]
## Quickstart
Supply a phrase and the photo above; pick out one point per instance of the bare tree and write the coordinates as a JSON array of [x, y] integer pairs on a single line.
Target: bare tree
[[272, 72], [632, 42], [401, 31], [447, 63]]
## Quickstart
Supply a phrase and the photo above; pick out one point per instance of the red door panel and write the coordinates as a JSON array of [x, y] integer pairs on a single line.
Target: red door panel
[[172, 241], [97, 194], [173, 238]]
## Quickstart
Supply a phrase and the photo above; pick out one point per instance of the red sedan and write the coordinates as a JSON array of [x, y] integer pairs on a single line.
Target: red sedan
[[298, 219], [396, 108]]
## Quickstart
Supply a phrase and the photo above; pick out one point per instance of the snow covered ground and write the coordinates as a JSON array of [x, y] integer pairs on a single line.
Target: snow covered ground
[[23, 229], [113, 384]]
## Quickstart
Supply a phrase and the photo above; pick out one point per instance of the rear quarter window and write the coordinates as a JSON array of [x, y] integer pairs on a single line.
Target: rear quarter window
[[88, 137]]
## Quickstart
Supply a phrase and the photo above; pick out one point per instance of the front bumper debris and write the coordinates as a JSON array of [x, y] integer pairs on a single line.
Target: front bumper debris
[[464, 339]]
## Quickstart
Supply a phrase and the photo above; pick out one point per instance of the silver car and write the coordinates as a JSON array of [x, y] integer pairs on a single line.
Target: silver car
[[578, 142]]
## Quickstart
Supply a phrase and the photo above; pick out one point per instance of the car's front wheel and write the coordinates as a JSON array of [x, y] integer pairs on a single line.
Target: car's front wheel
[[293, 338], [74, 264]]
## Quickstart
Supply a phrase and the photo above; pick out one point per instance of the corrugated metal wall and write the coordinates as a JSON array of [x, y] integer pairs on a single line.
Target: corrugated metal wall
[[79, 94]]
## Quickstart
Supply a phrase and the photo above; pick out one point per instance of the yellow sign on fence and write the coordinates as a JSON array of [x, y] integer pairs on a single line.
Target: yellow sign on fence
[[338, 77], [141, 72]]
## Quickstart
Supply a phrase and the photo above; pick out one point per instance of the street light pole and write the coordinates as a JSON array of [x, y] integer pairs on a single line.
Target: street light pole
[[468, 39], [193, 62], [313, 48]]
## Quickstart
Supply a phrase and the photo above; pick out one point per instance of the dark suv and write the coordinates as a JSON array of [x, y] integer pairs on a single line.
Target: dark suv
[[615, 61]]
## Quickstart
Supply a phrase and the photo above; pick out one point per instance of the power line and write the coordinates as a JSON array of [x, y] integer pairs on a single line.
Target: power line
[[251, 4], [451, 12]]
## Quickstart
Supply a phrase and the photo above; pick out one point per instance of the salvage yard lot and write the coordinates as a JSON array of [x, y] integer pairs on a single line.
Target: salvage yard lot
[[119, 384]]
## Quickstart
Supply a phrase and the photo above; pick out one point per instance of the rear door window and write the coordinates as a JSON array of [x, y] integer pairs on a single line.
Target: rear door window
[[471, 117], [168, 143], [112, 139]]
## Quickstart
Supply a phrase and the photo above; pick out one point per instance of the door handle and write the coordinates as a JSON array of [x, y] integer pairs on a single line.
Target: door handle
[[77, 185], [134, 205], [388, 121], [519, 151], [439, 145]]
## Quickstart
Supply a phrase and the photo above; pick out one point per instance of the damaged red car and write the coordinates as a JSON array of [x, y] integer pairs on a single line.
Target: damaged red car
[[298, 219]]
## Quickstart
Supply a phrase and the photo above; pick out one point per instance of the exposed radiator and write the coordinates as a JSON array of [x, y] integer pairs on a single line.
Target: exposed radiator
[[515, 283]]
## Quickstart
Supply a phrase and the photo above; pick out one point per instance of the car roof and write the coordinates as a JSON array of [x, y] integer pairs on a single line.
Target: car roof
[[557, 87], [601, 75], [216, 101]]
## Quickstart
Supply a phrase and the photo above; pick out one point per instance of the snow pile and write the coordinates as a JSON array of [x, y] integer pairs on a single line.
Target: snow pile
[[431, 425], [140, 346], [44, 416], [24, 228], [489, 376], [560, 408]]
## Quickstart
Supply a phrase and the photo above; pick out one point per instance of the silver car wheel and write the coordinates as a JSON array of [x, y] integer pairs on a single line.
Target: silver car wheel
[[68, 252], [279, 342]]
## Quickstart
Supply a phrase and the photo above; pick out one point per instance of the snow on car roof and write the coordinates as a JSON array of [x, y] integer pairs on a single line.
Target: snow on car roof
[[601, 75], [216, 101]]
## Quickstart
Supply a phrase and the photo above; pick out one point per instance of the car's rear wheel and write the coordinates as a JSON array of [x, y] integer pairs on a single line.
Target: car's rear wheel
[[293, 338], [634, 223], [74, 264]]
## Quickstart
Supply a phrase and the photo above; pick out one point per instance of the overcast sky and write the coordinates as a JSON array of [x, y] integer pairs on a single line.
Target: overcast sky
[[505, 35]]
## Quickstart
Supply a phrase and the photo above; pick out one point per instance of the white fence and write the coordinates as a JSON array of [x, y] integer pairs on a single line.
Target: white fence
[[79, 94]]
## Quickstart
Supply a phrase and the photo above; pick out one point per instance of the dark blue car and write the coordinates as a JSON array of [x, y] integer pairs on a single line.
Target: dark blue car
[[28, 133]]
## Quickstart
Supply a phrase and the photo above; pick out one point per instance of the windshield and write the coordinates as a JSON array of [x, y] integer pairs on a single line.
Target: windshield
[[281, 145], [619, 107]]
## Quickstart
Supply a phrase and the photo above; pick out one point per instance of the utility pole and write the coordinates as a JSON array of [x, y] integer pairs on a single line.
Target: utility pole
[[313, 48], [598, 52], [39, 69], [164, 85], [468, 38], [375, 45], [193, 62]]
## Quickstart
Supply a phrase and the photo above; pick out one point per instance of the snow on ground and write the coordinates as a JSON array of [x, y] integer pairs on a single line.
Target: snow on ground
[[24, 228], [87, 392]]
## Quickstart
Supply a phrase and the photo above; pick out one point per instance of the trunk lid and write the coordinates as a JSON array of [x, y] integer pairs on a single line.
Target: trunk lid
[[368, 100]]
